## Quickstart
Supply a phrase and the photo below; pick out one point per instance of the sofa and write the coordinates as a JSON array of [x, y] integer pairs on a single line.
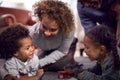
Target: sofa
[[22, 16]]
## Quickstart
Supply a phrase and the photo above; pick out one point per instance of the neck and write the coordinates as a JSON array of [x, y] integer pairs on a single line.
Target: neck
[[102, 58]]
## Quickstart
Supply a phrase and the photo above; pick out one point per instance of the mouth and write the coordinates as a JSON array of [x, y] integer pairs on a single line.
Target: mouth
[[31, 54]]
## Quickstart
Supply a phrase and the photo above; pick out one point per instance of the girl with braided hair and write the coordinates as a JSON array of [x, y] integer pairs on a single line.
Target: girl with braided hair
[[100, 45]]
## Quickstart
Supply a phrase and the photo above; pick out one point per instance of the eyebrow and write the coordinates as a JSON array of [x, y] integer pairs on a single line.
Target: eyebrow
[[49, 28]]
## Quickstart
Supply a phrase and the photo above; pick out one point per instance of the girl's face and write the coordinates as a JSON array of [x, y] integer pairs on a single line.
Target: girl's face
[[26, 50], [48, 27], [92, 51]]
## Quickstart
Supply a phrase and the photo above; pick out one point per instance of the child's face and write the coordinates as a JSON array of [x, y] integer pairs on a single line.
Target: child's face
[[26, 50], [92, 51]]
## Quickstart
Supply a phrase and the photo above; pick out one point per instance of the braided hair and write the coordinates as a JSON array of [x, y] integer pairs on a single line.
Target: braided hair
[[102, 35]]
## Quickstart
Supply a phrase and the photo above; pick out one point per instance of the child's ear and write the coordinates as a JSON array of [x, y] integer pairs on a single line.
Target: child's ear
[[103, 49], [16, 54]]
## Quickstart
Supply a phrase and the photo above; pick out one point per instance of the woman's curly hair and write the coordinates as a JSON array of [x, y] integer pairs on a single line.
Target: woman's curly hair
[[55, 10], [9, 40]]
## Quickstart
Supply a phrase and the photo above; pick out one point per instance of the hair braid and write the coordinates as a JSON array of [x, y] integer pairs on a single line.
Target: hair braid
[[105, 34], [115, 54]]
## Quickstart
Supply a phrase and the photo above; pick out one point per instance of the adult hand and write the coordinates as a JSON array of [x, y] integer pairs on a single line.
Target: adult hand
[[39, 73]]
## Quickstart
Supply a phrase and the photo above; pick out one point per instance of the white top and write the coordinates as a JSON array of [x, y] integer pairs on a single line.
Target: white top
[[15, 67]]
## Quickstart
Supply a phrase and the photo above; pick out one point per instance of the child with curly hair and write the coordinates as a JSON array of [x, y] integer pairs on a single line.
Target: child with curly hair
[[17, 49], [53, 33], [100, 44]]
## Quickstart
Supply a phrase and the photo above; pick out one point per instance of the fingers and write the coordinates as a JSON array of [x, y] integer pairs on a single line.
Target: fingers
[[40, 72]]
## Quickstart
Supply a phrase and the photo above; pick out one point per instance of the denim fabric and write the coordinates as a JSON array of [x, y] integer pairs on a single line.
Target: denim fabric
[[90, 17]]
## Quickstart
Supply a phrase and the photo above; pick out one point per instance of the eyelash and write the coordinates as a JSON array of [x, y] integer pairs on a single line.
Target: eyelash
[[51, 30], [29, 47]]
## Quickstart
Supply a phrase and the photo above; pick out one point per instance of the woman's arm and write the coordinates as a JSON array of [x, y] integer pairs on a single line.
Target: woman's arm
[[60, 52]]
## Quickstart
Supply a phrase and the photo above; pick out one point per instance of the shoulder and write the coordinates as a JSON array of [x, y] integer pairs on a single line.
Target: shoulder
[[11, 61], [34, 29], [71, 34], [2, 61]]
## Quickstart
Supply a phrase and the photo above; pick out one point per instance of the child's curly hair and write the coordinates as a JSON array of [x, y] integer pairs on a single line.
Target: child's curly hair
[[9, 40], [56, 10]]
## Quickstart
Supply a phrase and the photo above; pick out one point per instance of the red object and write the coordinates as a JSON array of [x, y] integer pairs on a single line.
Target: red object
[[63, 75]]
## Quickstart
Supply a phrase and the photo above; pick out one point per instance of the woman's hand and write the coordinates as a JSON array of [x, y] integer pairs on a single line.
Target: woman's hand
[[40, 72], [9, 77]]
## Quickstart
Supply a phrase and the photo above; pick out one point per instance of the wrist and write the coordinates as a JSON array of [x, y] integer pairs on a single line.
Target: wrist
[[36, 77]]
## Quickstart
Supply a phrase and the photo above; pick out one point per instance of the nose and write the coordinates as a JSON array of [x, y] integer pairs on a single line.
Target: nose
[[47, 33]]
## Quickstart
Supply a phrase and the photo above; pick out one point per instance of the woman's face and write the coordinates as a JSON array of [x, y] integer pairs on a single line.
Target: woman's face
[[91, 50], [48, 27]]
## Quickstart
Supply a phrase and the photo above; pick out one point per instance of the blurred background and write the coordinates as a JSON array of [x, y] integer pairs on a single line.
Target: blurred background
[[20, 4]]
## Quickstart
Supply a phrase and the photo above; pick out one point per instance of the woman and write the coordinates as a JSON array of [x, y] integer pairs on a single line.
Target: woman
[[53, 33]]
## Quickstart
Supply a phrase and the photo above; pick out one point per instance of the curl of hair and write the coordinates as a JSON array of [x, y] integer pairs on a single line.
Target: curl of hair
[[9, 40], [102, 35], [55, 10]]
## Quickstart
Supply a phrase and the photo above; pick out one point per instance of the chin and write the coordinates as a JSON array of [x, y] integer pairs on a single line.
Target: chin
[[30, 57], [47, 37]]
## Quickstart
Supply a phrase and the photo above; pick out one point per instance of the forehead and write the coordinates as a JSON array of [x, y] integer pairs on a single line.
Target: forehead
[[48, 22], [90, 42], [86, 40], [26, 40]]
